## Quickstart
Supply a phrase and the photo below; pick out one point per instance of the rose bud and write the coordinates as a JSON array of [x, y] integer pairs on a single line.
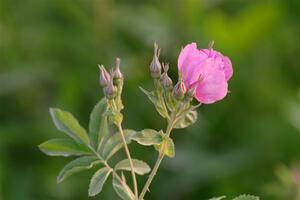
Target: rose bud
[[179, 90], [117, 74], [110, 90], [214, 68], [166, 81], [155, 66], [104, 76], [192, 90]]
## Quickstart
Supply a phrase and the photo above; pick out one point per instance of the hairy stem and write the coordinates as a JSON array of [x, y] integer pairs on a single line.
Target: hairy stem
[[159, 158], [130, 161]]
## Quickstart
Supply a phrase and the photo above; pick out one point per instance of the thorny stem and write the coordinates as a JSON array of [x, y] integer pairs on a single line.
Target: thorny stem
[[130, 161], [159, 158]]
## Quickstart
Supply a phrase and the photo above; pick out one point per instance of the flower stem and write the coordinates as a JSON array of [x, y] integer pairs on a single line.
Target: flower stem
[[159, 158], [130, 161]]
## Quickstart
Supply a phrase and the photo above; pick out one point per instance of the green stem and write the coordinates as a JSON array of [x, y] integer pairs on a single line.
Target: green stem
[[105, 163], [159, 158], [130, 161]]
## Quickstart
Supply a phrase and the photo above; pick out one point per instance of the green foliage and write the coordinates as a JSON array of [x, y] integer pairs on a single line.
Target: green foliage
[[246, 197], [49, 57], [218, 198], [167, 146], [114, 143], [77, 165], [122, 189], [98, 127], [148, 137], [140, 167], [157, 101], [241, 197], [98, 181], [286, 185], [187, 119], [67, 123], [99, 141], [63, 147]]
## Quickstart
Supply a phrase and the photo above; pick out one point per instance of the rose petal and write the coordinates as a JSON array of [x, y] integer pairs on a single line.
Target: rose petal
[[227, 68], [189, 63], [214, 85], [212, 66]]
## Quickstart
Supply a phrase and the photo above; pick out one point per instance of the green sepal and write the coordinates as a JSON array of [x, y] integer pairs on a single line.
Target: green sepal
[[171, 102], [119, 83], [114, 117]]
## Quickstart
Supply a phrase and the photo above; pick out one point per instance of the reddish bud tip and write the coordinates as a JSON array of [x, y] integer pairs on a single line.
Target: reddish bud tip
[[165, 79], [104, 76], [155, 66]]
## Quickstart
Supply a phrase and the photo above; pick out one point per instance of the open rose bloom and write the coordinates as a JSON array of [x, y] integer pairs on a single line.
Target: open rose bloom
[[208, 66]]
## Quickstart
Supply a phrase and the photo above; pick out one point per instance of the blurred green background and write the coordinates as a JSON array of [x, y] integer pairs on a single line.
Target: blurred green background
[[49, 51]]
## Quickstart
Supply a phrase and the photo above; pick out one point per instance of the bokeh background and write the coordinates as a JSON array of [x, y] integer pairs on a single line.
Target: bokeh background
[[49, 51]]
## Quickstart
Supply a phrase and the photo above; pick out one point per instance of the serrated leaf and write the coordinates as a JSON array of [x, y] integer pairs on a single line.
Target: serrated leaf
[[187, 120], [168, 147], [67, 123], [122, 189], [158, 102], [63, 147], [218, 198], [98, 126], [140, 167], [246, 197], [77, 165], [148, 137], [115, 143], [98, 181]]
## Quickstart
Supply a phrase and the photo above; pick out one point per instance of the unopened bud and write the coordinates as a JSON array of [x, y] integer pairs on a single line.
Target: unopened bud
[[117, 74], [166, 81], [179, 90], [104, 78], [155, 66], [110, 90], [192, 90]]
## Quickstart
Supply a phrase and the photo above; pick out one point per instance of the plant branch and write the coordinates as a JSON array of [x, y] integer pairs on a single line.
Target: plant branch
[[104, 162], [159, 158], [130, 161]]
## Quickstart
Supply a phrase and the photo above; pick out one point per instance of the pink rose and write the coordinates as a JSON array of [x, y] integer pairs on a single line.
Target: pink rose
[[208, 65]]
